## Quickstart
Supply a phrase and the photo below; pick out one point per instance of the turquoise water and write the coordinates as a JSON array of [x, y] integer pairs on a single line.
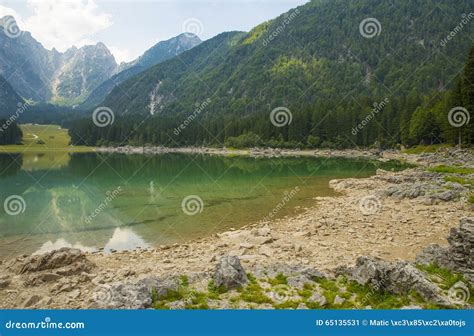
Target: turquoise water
[[120, 202]]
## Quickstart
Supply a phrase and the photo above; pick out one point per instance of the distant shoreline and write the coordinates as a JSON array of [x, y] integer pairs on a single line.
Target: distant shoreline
[[264, 152]]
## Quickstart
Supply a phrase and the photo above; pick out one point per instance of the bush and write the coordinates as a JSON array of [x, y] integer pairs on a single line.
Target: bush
[[244, 141]]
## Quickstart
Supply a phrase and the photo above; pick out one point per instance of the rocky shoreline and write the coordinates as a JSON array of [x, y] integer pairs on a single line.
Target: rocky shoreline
[[386, 225], [255, 152]]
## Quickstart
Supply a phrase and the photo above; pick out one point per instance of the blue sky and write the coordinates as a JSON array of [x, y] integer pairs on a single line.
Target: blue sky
[[130, 27]]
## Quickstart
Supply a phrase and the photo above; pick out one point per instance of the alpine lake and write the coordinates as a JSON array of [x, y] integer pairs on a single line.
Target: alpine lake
[[120, 202]]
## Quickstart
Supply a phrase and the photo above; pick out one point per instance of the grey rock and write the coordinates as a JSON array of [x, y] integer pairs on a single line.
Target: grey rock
[[319, 299], [45, 302], [339, 300], [41, 278], [446, 196], [161, 286], [459, 255], [412, 307], [133, 295], [461, 248], [434, 254], [4, 281], [406, 191], [298, 281], [301, 306], [31, 301], [229, 273], [177, 305], [399, 278], [293, 272], [67, 261]]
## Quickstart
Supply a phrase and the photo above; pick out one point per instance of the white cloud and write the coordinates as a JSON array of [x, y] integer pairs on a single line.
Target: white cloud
[[61, 24], [121, 55], [4, 11]]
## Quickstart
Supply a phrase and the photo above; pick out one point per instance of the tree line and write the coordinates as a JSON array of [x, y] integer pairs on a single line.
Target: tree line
[[10, 133]]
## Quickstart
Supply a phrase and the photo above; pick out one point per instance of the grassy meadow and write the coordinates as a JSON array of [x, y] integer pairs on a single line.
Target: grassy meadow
[[44, 147], [44, 138]]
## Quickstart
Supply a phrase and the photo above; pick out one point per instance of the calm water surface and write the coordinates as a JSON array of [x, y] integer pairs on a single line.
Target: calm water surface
[[123, 202]]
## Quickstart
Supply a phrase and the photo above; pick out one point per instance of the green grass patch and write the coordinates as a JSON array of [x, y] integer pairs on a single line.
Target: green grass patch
[[329, 285], [446, 279], [253, 292], [280, 279], [198, 300], [377, 299], [184, 280], [452, 170], [44, 138], [460, 180], [425, 149], [214, 291], [470, 198], [287, 305], [306, 292]]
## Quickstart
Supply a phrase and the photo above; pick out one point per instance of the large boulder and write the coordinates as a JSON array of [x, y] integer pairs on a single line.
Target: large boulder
[[459, 255], [461, 247], [406, 190], [65, 261], [435, 254], [5, 281], [229, 273], [399, 278], [133, 295]]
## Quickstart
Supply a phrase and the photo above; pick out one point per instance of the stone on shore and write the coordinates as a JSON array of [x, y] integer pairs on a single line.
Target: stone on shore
[[399, 278], [133, 295], [229, 273], [65, 261], [459, 256]]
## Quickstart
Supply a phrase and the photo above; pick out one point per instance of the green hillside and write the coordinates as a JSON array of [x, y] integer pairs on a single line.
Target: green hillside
[[313, 61]]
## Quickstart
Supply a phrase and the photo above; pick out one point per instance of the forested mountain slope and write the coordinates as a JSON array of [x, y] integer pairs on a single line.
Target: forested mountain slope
[[319, 61], [160, 52], [42, 75], [9, 99]]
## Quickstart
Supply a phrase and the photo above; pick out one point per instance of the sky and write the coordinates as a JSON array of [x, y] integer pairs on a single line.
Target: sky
[[129, 27]]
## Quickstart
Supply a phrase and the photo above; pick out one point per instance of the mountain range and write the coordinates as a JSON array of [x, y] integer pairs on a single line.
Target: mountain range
[[158, 53], [68, 78], [319, 61], [324, 66], [314, 52], [9, 99]]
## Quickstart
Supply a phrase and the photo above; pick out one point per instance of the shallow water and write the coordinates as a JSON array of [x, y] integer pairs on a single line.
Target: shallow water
[[120, 202]]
